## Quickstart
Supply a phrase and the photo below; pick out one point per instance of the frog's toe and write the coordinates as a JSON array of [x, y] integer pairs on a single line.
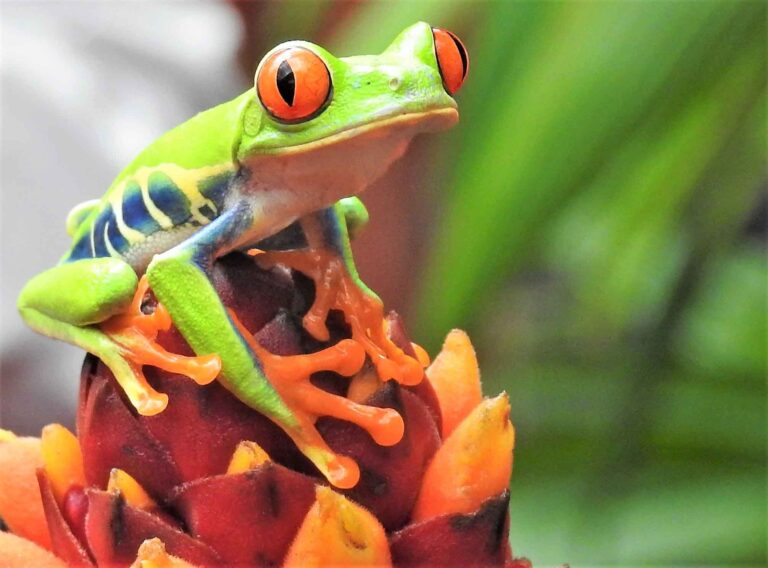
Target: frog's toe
[[142, 350], [146, 400], [150, 405], [385, 425], [205, 369], [315, 326]]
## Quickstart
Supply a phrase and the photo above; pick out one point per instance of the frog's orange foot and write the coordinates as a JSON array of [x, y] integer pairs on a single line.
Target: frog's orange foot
[[336, 289], [135, 333], [290, 376]]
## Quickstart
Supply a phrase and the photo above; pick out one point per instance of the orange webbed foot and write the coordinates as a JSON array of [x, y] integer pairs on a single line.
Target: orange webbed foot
[[290, 376], [136, 333], [336, 289]]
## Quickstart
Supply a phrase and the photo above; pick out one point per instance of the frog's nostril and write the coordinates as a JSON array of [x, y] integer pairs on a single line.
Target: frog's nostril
[[394, 83]]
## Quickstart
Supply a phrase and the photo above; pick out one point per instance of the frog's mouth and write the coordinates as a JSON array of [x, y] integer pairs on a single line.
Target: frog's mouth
[[346, 162]]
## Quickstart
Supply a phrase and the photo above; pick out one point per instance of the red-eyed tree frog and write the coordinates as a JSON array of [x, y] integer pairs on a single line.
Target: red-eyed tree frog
[[292, 152]]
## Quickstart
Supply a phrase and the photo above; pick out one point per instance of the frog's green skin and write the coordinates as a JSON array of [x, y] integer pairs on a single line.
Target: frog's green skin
[[228, 179]]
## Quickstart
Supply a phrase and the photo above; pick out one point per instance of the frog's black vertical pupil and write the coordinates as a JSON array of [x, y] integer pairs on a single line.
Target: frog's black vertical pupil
[[462, 54], [286, 82]]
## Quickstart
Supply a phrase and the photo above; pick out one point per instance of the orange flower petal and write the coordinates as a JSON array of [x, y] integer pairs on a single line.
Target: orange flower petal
[[455, 377], [473, 465], [16, 552], [62, 459], [337, 532], [20, 504], [247, 455], [152, 554]]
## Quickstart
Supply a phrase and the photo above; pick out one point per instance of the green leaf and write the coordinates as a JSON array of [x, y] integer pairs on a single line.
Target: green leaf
[[550, 122]]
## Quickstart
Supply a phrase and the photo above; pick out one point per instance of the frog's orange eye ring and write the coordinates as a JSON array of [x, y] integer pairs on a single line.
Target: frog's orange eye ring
[[294, 84], [452, 59]]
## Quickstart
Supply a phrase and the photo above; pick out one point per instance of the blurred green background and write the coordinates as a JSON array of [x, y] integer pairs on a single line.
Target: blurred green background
[[597, 223]]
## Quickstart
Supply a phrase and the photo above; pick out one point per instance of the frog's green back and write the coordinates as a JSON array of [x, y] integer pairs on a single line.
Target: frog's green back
[[207, 139], [204, 145]]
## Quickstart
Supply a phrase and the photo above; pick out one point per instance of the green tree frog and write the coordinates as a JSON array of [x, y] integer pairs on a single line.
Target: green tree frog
[[292, 152]]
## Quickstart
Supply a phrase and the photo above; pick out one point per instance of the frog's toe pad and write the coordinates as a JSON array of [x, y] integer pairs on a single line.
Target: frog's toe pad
[[202, 369], [149, 403], [343, 472]]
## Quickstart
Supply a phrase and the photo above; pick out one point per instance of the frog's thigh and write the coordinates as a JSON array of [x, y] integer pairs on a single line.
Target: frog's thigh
[[64, 301], [82, 292]]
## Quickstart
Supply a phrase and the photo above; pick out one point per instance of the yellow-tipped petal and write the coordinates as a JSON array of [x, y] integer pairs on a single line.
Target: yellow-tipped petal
[[363, 385], [133, 493], [20, 504], [421, 354], [62, 459], [16, 552], [455, 378], [6, 435], [247, 455], [473, 464], [337, 532], [152, 554]]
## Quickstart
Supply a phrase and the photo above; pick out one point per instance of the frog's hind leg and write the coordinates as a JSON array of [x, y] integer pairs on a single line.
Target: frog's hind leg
[[67, 302], [70, 301]]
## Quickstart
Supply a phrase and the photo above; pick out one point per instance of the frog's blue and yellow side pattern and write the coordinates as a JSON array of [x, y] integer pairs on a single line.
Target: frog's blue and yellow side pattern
[[165, 198]]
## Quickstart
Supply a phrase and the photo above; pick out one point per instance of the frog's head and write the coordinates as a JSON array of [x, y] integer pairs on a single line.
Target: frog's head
[[318, 125]]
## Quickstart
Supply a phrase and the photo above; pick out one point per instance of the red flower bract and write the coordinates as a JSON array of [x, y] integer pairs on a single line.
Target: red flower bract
[[207, 513]]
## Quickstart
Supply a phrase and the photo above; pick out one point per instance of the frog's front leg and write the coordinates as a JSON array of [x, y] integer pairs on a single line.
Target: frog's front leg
[[278, 387], [180, 280], [329, 263], [95, 303]]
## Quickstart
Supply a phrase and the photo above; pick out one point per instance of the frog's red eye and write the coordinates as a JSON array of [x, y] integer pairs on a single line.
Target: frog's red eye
[[293, 84], [452, 59]]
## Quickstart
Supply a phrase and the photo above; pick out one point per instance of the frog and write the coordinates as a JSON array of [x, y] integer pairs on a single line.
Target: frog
[[274, 173]]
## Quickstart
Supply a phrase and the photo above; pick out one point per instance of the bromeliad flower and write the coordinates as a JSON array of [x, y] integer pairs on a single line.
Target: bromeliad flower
[[211, 482]]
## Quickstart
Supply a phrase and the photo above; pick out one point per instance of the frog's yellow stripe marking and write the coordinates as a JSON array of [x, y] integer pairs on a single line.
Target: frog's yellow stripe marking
[[112, 251], [187, 182], [116, 201], [142, 178]]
